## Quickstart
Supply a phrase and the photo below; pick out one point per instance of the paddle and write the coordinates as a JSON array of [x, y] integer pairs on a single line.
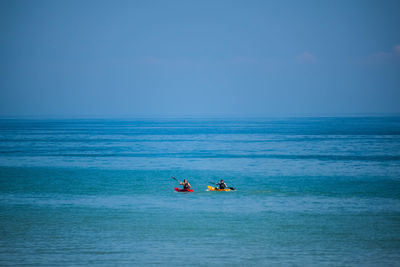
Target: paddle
[[175, 179], [231, 188]]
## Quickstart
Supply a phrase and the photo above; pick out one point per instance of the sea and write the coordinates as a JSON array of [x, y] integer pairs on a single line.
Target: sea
[[310, 191]]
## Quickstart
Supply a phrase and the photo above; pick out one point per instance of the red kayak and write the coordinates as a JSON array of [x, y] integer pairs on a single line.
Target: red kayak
[[183, 190]]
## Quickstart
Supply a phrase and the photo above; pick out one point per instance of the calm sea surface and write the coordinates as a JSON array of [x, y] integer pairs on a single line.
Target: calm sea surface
[[310, 192]]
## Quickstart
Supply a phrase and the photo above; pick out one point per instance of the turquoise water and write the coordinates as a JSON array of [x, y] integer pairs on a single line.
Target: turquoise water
[[310, 191]]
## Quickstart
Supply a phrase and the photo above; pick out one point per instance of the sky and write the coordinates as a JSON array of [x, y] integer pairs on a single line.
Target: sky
[[199, 58]]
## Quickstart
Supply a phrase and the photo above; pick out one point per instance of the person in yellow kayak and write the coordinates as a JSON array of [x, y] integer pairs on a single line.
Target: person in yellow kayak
[[221, 184], [185, 184]]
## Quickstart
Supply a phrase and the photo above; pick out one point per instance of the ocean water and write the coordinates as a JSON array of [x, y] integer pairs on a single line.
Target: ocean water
[[310, 192]]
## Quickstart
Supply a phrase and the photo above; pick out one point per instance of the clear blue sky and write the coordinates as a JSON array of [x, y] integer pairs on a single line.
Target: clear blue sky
[[199, 58]]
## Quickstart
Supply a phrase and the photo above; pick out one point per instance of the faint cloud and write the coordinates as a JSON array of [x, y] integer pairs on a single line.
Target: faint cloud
[[306, 57], [243, 60], [382, 57]]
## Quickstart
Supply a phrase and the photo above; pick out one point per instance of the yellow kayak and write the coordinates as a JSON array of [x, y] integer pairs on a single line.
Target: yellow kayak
[[216, 189]]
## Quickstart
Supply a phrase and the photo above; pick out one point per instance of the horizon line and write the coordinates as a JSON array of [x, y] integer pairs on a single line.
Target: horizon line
[[209, 116]]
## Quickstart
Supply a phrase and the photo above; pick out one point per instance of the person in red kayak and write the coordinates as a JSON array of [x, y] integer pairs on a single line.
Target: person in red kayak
[[185, 184]]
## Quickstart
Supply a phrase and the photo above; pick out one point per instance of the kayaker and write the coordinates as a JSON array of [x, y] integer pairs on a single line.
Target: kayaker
[[222, 185], [185, 184]]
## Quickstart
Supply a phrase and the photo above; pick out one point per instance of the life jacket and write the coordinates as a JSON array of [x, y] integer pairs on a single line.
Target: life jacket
[[222, 185], [186, 186]]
